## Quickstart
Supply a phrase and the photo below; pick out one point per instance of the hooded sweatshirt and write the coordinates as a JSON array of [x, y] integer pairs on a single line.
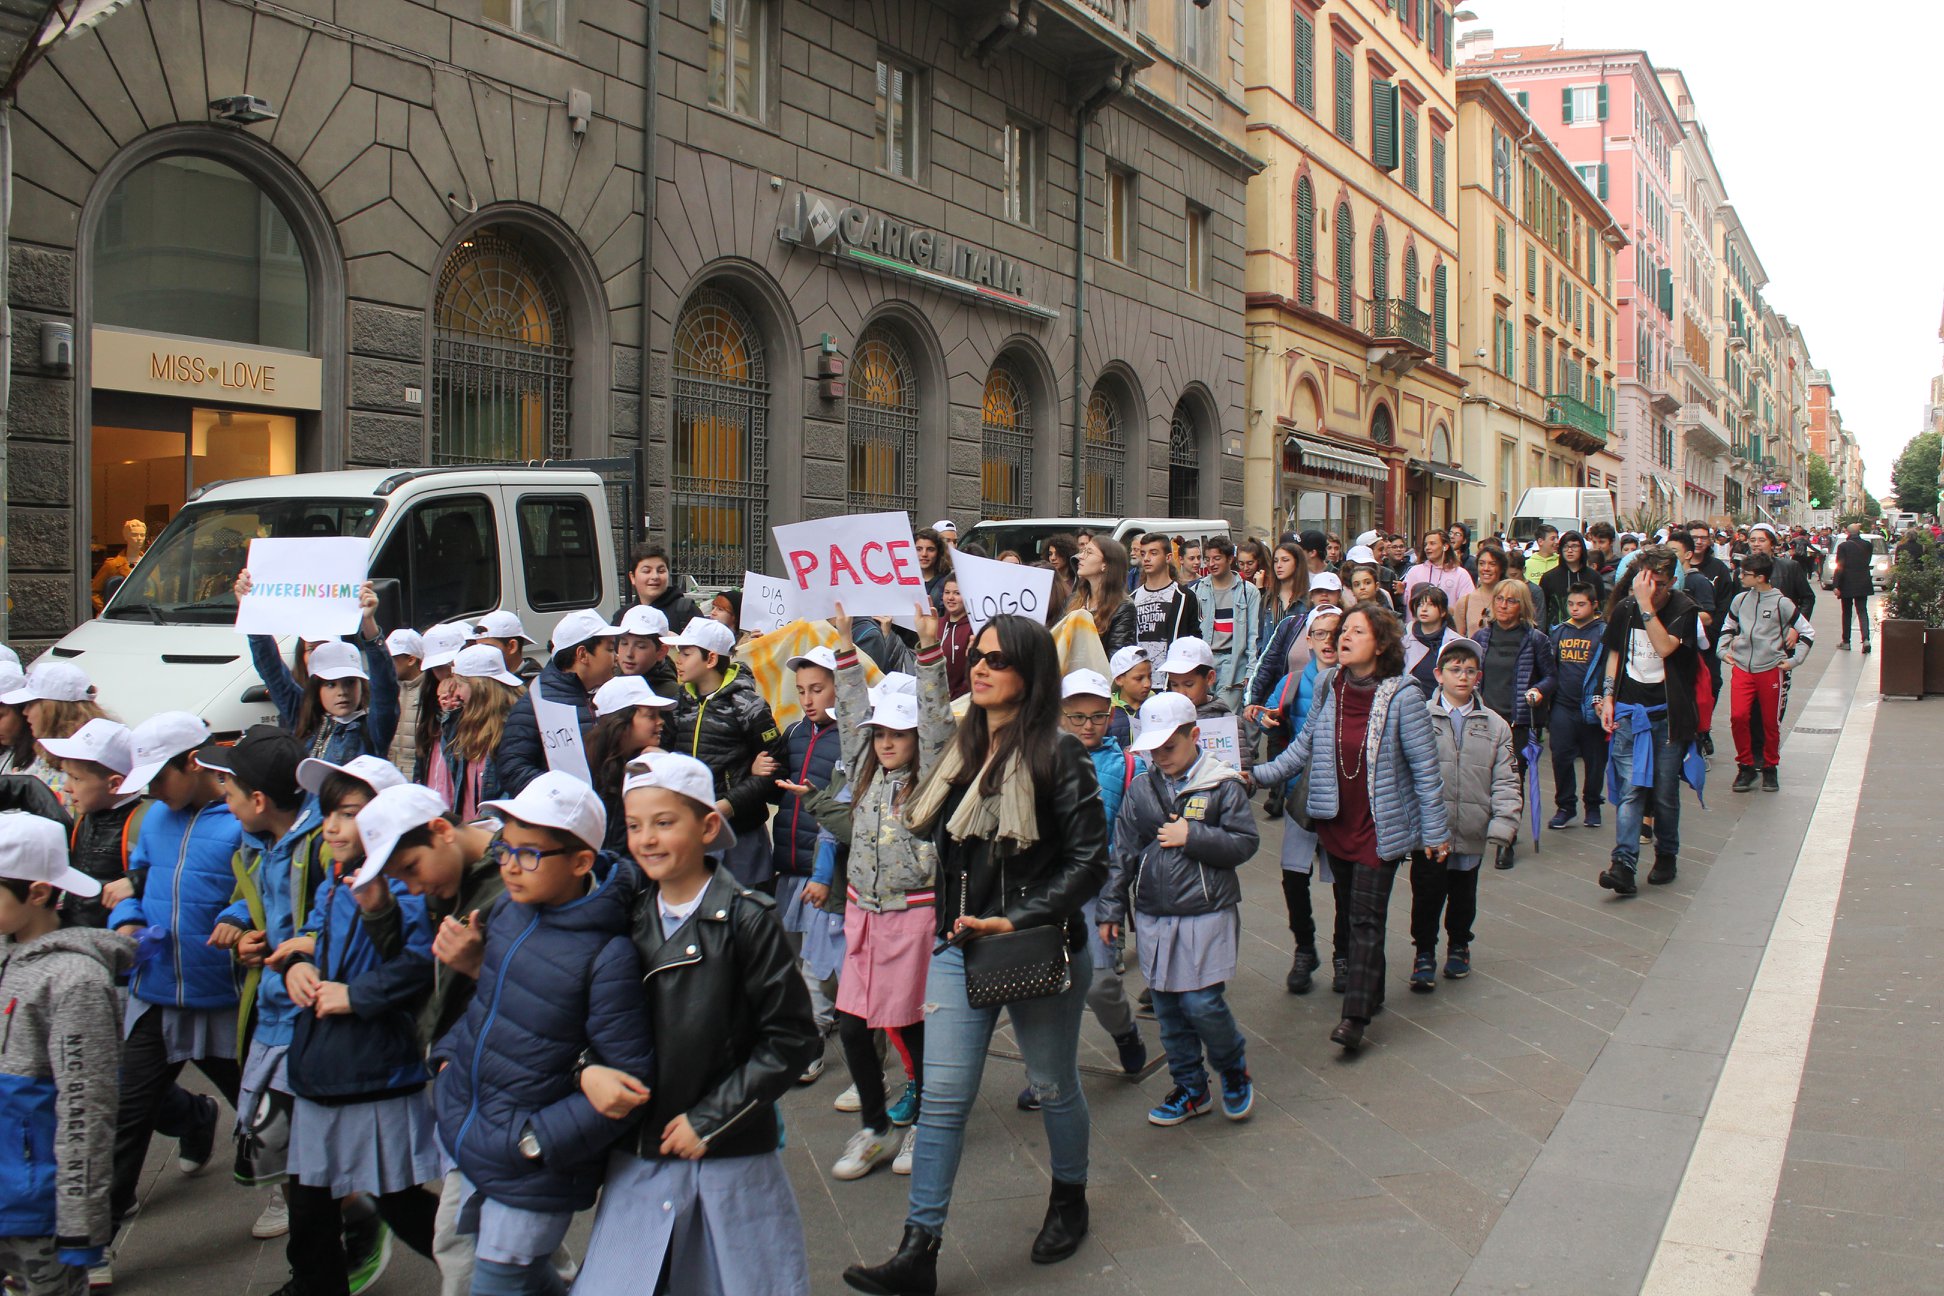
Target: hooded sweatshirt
[[60, 1054], [1198, 878], [276, 882]]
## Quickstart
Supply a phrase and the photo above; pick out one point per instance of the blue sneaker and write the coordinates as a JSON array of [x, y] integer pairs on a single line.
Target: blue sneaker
[[905, 1111], [1238, 1094], [1180, 1105], [1458, 962], [1424, 972], [1560, 819], [1592, 816]]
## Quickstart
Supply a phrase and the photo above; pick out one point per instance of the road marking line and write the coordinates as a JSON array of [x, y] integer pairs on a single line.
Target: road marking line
[[1718, 1228]]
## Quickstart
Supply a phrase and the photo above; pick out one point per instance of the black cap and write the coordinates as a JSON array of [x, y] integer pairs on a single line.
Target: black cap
[[1315, 541], [265, 757]]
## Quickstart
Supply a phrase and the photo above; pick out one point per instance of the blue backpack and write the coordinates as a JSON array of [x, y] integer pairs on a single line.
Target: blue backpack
[[1590, 687]]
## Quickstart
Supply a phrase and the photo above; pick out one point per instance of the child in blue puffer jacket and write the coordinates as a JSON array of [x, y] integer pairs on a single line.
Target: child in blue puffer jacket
[[348, 703], [560, 981]]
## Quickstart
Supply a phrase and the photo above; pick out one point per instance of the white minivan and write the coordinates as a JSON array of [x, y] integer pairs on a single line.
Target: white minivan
[[1570, 508], [447, 544], [1027, 536]]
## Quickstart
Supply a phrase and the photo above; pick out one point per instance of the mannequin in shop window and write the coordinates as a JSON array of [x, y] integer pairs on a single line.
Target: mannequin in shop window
[[115, 567]]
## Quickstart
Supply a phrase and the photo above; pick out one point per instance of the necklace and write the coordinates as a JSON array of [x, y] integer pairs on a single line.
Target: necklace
[[1343, 756]]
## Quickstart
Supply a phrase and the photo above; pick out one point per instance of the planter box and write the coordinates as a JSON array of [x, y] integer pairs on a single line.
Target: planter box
[[1902, 659], [1934, 659]]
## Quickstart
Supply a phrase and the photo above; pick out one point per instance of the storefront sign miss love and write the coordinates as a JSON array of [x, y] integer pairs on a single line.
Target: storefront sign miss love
[[866, 561]]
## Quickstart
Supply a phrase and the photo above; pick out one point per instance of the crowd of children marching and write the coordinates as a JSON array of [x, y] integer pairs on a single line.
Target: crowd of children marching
[[456, 990]]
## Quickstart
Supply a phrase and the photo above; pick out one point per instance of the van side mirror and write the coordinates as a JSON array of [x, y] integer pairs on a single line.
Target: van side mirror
[[391, 604]]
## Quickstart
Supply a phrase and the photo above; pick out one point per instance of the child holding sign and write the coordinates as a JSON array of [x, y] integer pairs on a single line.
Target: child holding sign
[[348, 703]]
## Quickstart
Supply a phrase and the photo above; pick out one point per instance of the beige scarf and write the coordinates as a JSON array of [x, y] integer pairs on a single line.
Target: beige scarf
[[1009, 816]]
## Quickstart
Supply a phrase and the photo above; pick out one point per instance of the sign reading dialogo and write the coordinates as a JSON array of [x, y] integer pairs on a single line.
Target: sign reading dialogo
[[766, 603], [992, 588], [866, 561], [307, 587]]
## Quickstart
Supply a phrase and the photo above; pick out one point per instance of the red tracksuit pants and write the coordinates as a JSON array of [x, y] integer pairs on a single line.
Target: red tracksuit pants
[[1756, 712]]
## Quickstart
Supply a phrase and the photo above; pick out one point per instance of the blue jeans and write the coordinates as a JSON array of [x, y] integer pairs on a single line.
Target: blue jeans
[[1190, 1019], [1666, 795], [956, 1036]]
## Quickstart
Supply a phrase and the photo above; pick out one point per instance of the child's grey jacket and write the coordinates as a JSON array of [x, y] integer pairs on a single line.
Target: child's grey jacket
[[1481, 784], [1198, 878]]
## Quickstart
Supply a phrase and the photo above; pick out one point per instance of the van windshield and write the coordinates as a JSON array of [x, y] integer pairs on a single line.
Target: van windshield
[[187, 575], [1526, 529], [1027, 539]]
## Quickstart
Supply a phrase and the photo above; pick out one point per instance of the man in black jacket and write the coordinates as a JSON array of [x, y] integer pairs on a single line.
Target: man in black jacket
[[1789, 578], [1708, 563], [1855, 583], [1575, 565], [583, 660]]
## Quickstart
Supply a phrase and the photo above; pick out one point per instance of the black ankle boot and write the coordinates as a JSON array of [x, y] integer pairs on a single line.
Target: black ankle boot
[[1066, 1223], [911, 1272]]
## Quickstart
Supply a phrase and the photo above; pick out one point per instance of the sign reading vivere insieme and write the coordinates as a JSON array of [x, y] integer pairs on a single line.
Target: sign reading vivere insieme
[[866, 561], [307, 587]]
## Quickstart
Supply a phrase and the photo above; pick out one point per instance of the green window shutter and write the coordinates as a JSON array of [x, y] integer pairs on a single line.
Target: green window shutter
[[1667, 292], [1439, 301], [1305, 243], [1438, 174], [1383, 124], [1410, 275], [1603, 182], [1532, 357], [1379, 266], [1346, 98], [1346, 264], [1409, 122], [1499, 248], [1532, 270], [1603, 101], [1525, 100], [1447, 39], [1305, 86], [1566, 105]]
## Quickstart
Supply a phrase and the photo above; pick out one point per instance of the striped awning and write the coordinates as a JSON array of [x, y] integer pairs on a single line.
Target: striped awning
[[1322, 456]]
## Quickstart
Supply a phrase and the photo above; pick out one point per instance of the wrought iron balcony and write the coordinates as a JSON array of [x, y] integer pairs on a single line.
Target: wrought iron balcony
[[1393, 317], [1087, 37], [1575, 424]]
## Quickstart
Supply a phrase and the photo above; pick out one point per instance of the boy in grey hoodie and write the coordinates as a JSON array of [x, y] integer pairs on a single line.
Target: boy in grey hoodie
[[1764, 636], [59, 1054], [1184, 827]]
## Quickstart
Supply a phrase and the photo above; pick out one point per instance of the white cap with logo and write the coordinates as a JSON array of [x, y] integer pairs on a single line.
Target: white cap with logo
[[561, 802], [624, 691], [1360, 554], [1326, 580], [1187, 653], [892, 711], [157, 741], [336, 660], [442, 644], [706, 634], [501, 624], [1086, 683], [945, 526], [817, 656], [579, 626], [387, 817], [102, 741], [52, 682], [405, 642], [33, 849], [1127, 659], [1161, 715], [375, 772], [648, 622], [683, 775], [483, 661]]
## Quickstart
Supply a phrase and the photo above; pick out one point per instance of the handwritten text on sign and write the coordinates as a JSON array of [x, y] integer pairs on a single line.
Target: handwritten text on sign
[[560, 736], [305, 587], [766, 603], [993, 589], [866, 561]]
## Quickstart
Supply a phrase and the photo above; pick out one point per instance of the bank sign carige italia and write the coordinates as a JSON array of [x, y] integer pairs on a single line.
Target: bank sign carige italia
[[890, 246]]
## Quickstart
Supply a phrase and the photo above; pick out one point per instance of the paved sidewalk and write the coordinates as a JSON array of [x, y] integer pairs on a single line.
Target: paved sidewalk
[[1403, 1170]]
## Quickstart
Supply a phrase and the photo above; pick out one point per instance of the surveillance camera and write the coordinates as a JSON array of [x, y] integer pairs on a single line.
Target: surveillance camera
[[1480, 353]]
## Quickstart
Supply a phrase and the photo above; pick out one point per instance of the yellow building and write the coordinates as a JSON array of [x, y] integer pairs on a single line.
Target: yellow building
[[1535, 309], [1352, 266]]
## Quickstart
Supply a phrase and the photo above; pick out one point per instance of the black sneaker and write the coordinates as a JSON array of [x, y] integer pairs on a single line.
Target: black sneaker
[[1866, 647], [1340, 975], [1299, 981], [194, 1149], [1561, 819], [1505, 860], [1771, 782], [1663, 870], [1707, 744], [1133, 1052], [1593, 816], [1647, 830], [1745, 779], [1619, 879]]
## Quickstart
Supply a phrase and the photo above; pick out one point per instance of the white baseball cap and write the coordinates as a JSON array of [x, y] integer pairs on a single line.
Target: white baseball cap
[[648, 622], [501, 624], [57, 681], [624, 691], [1086, 683], [8, 657], [892, 682], [1360, 554], [579, 626], [442, 644], [1367, 539], [335, 660], [102, 741], [561, 802], [1127, 659], [483, 661], [387, 817], [1326, 580], [684, 776], [11, 678], [817, 656], [405, 643], [33, 849], [1759, 526], [157, 741], [706, 634], [374, 771], [944, 525], [1187, 653], [1161, 715], [1321, 614], [892, 711]]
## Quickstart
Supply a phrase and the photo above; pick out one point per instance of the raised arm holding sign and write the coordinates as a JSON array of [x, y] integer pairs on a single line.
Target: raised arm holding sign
[[307, 587], [865, 560]]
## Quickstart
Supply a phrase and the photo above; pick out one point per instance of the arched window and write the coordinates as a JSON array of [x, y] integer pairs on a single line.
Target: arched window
[[1346, 264], [192, 246], [1382, 430], [1184, 464], [1441, 445], [718, 501], [1380, 271], [1410, 285], [1305, 243], [1439, 302], [882, 425], [1106, 468], [501, 356], [1006, 445]]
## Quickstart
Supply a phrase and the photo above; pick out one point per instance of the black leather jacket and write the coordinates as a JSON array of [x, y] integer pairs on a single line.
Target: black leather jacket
[[725, 730], [733, 1026]]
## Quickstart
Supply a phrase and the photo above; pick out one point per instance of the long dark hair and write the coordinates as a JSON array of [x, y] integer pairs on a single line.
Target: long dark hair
[[606, 756], [1107, 591], [311, 715], [23, 745], [1298, 588], [427, 733], [1034, 733]]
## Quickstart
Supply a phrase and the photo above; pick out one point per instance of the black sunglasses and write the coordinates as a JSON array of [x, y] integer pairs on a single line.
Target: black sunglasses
[[994, 660]]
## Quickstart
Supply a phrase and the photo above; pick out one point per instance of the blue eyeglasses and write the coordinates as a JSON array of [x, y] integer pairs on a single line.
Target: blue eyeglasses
[[524, 858]]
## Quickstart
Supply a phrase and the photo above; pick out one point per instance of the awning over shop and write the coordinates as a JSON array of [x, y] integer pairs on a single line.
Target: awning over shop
[[1444, 472], [1321, 456]]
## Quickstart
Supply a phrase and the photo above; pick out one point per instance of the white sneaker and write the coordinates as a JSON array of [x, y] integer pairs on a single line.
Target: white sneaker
[[811, 1072], [848, 1101], [101, 1277], [275, 1220], [901, 1164], [866, 1148]]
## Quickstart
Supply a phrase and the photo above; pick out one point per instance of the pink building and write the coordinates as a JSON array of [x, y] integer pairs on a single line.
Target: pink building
[[1605, 111]]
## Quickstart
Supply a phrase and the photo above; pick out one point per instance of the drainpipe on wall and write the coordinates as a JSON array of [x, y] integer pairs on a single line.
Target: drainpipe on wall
[[1082, 121], [6, 351], [638, 526]]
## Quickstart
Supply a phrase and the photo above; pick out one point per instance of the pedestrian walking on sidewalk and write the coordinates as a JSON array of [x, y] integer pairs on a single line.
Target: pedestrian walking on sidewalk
[[1764, 638], [1855, 584], [1517, 676]]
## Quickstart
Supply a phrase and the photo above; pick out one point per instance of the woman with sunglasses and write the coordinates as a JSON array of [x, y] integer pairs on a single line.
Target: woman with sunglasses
[[1517, 672], [1014, 811]]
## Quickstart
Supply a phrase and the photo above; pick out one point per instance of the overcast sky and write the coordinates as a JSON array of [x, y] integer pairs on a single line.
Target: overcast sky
[[1829, 155]]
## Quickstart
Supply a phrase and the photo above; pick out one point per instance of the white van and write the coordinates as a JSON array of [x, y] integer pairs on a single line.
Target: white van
[[447, 544], [1570, 508], [1028, 536]]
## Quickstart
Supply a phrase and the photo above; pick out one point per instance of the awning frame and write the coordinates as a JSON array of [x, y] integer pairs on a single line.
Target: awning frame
[[1341, 460]]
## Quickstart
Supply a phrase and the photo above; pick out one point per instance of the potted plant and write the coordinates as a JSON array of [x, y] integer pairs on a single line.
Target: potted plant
[[1913, 624]]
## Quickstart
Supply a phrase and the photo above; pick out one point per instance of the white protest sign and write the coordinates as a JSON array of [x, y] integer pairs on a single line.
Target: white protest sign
[[1222, 739], [560, 735], [306, 587], [766, 603], [993, 589], [866, 561]]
